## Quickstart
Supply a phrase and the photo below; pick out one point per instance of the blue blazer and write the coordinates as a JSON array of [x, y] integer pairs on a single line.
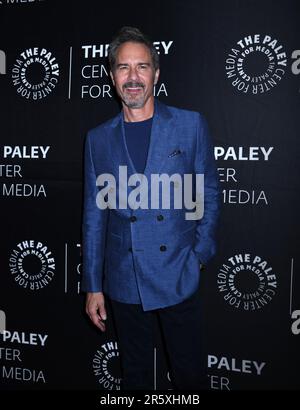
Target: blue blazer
[[149, 256]]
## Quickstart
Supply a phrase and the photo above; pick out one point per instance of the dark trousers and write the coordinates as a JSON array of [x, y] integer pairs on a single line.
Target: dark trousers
[[181, 326]]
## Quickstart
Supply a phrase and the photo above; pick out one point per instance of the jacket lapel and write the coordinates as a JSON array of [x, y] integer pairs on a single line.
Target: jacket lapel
[[160, 140], [159, 145], [118, 146]]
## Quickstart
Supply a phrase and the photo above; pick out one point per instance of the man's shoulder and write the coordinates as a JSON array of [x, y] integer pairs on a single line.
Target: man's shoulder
[[100, 128], [182, 114]]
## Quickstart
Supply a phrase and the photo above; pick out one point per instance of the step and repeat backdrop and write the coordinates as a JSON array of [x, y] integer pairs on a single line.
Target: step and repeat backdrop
[[236, 62]]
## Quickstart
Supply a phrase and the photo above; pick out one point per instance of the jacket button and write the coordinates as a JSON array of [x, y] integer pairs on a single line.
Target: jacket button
[[160, 217], [130, 249], [163, 248], [132, 218]]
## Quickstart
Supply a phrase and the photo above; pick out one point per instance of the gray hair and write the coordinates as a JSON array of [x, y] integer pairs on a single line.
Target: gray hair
[[134, 35]]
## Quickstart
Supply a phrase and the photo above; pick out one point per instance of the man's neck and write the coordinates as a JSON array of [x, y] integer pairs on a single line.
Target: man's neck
[[139, 114]]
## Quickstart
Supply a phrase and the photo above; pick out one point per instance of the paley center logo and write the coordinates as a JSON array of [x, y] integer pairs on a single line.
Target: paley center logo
[[35, 73], [14, 356], [32, 265], [222, 367], [256, 64], [183, 191], [105, 366], [247, 282]]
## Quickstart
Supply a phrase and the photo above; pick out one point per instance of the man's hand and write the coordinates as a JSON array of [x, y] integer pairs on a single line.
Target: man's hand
[[95, 309]]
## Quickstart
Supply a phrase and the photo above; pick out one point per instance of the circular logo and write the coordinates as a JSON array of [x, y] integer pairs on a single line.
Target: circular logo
[[247, 282], [106, 366], [35, 73], [32, 265], [256, 64]]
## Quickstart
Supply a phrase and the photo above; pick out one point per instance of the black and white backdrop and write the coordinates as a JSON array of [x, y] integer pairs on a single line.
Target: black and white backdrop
[[237, 62]]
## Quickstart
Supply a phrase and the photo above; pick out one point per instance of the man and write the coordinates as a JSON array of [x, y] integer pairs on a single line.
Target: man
[[145, 258]]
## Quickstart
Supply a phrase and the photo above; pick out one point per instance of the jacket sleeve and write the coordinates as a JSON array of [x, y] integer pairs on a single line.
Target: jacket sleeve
[[205, 244], [93, 228]]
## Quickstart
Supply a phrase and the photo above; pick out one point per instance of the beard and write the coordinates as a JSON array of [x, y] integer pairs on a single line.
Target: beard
[[135, 100]]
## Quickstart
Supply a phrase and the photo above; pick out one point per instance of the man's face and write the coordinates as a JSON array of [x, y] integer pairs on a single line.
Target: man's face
[[134, 75]]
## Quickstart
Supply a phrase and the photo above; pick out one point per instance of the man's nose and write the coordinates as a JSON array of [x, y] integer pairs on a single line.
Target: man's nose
[[133, 74]]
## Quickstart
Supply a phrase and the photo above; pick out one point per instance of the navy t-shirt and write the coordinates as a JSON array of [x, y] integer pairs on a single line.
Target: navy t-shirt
[[137, 136]]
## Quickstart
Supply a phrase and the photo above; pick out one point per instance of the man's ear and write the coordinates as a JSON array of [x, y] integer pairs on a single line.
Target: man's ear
[[156, 76], [112, 77]]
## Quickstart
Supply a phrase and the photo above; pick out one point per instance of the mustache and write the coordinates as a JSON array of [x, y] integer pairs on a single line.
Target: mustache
[[131, 84]]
